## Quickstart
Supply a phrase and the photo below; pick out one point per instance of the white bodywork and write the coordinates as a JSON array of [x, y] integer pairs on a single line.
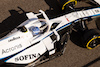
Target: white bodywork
[[98, 1], [26, 47]]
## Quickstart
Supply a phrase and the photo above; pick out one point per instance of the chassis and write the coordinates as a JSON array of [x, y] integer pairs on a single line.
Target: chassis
[[38, 40]]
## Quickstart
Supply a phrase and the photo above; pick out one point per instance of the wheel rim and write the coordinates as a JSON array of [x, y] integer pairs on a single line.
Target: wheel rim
[[94, 42], [68, 3]]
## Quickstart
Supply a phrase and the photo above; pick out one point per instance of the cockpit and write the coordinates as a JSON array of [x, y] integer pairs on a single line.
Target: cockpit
[[40, 28], [36, 28]]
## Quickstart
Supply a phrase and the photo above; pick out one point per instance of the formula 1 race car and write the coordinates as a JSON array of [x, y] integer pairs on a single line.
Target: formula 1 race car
[[38, 40]]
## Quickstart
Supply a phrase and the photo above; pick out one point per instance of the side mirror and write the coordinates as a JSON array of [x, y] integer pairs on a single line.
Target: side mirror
[[54, 25], [23, 29]]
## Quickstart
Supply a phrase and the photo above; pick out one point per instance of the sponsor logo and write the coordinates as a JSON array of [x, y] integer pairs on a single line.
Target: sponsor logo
[[97, 11], [27, 57], [14, 38], [11, 49]]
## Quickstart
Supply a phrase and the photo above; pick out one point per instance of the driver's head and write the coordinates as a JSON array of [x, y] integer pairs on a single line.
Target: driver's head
[[35, 30]]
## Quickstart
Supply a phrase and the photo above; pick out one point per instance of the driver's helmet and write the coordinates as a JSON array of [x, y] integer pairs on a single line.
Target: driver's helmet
[[35, 30]]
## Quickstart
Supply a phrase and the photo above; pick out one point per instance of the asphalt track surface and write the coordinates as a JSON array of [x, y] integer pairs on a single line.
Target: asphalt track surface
[[75, 56]]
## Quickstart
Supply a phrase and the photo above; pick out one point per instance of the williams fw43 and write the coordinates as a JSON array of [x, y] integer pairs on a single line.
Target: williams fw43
[[38, 40]]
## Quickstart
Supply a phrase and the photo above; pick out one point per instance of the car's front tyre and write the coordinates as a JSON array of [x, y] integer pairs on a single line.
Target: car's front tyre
[[92, 38]]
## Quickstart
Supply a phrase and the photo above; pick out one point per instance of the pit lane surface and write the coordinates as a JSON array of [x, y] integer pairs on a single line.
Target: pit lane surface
[[75, 56]]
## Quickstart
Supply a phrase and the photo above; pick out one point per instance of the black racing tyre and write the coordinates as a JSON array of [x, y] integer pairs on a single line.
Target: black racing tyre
[[98, 23], [92, 38], [66, 3]]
